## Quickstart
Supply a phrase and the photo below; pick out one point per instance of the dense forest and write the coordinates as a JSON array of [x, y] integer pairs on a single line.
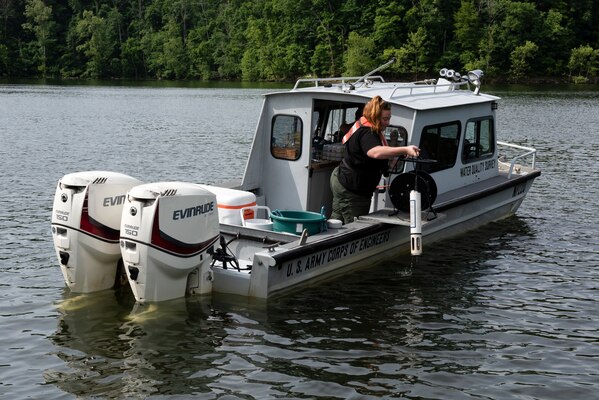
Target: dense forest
[[281, 40]]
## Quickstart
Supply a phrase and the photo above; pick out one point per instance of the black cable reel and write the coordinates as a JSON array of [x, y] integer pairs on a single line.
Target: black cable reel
[[403, 184], [409, 189]]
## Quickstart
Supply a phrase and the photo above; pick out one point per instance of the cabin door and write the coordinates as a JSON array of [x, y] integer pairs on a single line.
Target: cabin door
[[331, 119]]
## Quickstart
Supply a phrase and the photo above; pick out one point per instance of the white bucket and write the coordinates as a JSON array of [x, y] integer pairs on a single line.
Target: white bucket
[[258, 223]]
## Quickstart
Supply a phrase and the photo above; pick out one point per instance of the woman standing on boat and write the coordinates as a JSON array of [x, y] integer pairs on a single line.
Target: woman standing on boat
[[364, 161]]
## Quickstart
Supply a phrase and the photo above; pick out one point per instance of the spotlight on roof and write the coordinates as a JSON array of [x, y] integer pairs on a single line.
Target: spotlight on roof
[[475, 77]]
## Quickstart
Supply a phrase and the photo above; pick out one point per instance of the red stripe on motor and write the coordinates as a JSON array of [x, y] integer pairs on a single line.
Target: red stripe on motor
[[95, 228], [170, 244]]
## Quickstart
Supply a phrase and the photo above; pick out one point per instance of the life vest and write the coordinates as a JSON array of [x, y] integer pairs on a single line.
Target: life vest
[[357, 125]]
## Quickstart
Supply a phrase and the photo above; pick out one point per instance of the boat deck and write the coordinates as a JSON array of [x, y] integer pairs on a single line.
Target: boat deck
[[394, 217], [269, 239]]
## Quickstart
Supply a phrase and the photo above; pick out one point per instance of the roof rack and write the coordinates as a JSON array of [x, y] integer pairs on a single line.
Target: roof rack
[[344, 80], [365, 79], [428, 83]]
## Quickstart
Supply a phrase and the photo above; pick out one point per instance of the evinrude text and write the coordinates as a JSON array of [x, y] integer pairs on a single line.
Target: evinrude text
[[193, 211]]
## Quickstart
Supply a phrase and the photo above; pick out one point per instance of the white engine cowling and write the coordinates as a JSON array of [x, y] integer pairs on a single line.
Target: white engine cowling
[[86, 218], [166, 230]]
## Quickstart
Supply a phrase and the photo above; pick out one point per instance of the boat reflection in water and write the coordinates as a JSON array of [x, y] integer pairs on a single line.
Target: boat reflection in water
[[113, 346]]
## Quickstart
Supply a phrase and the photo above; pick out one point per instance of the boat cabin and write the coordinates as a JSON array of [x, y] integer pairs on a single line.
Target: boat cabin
[[297, 143]]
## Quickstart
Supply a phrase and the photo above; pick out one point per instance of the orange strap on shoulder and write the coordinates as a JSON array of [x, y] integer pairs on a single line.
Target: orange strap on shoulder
[[357, 125]]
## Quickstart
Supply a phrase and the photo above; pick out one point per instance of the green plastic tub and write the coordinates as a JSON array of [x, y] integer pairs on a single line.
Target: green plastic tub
[[296, 221]]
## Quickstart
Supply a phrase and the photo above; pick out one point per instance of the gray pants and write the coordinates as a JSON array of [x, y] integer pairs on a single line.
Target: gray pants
[[347, 205]]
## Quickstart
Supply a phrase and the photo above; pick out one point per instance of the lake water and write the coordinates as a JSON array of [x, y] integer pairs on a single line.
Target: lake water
[[509, 311]]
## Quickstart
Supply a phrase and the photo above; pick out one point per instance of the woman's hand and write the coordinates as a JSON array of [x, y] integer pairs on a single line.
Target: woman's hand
[[412, 151]]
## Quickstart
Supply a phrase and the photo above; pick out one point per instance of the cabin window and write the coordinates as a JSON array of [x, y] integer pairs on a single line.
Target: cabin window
[[286, 137], [334, 119], [396, 136], [479, 140], [440, 142], [339, 121]]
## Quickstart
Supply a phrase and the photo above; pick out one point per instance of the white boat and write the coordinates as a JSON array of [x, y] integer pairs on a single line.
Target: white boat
[[467, 178]]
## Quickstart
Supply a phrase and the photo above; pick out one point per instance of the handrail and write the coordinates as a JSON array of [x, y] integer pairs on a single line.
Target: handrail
[[530, 151], [341, 79], [411, 86], [428, 83]]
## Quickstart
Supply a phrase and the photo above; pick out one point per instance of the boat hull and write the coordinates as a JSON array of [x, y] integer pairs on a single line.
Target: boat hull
[[362, 243]]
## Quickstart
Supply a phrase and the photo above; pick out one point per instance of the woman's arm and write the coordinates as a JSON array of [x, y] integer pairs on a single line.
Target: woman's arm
[[386, 152]]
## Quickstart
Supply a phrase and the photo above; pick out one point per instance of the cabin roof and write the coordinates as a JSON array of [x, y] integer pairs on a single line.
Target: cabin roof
[[417, 96]]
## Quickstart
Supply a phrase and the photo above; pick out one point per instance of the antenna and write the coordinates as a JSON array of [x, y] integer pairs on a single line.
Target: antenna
[[385, 65]]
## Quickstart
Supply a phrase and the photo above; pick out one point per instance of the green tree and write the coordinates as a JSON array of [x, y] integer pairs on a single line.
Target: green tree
[[6, 13], [389, 30], [433, 22], [3, 59], [165, 52], [256, 63], [583, 16], [360, 58], [278, 42], [411, 56], [40, 22], [467, 25], [331, 33], [133, 58], [489, 12], [227, 40], [201, 47], [584, 61], [467, 32], [555, 44], [99, 38], [132, 53], [96, 40], [520, 22], [164, 36], [521, 59]]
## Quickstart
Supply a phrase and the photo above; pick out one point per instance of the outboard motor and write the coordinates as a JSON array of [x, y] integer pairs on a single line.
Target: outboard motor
[[167, 229], [85, 226]]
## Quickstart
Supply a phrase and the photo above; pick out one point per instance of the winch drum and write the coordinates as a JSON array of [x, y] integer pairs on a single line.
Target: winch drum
[[403, 184]]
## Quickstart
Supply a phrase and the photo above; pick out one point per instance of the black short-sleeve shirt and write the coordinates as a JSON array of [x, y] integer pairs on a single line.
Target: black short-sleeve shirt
[[359, 173]]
